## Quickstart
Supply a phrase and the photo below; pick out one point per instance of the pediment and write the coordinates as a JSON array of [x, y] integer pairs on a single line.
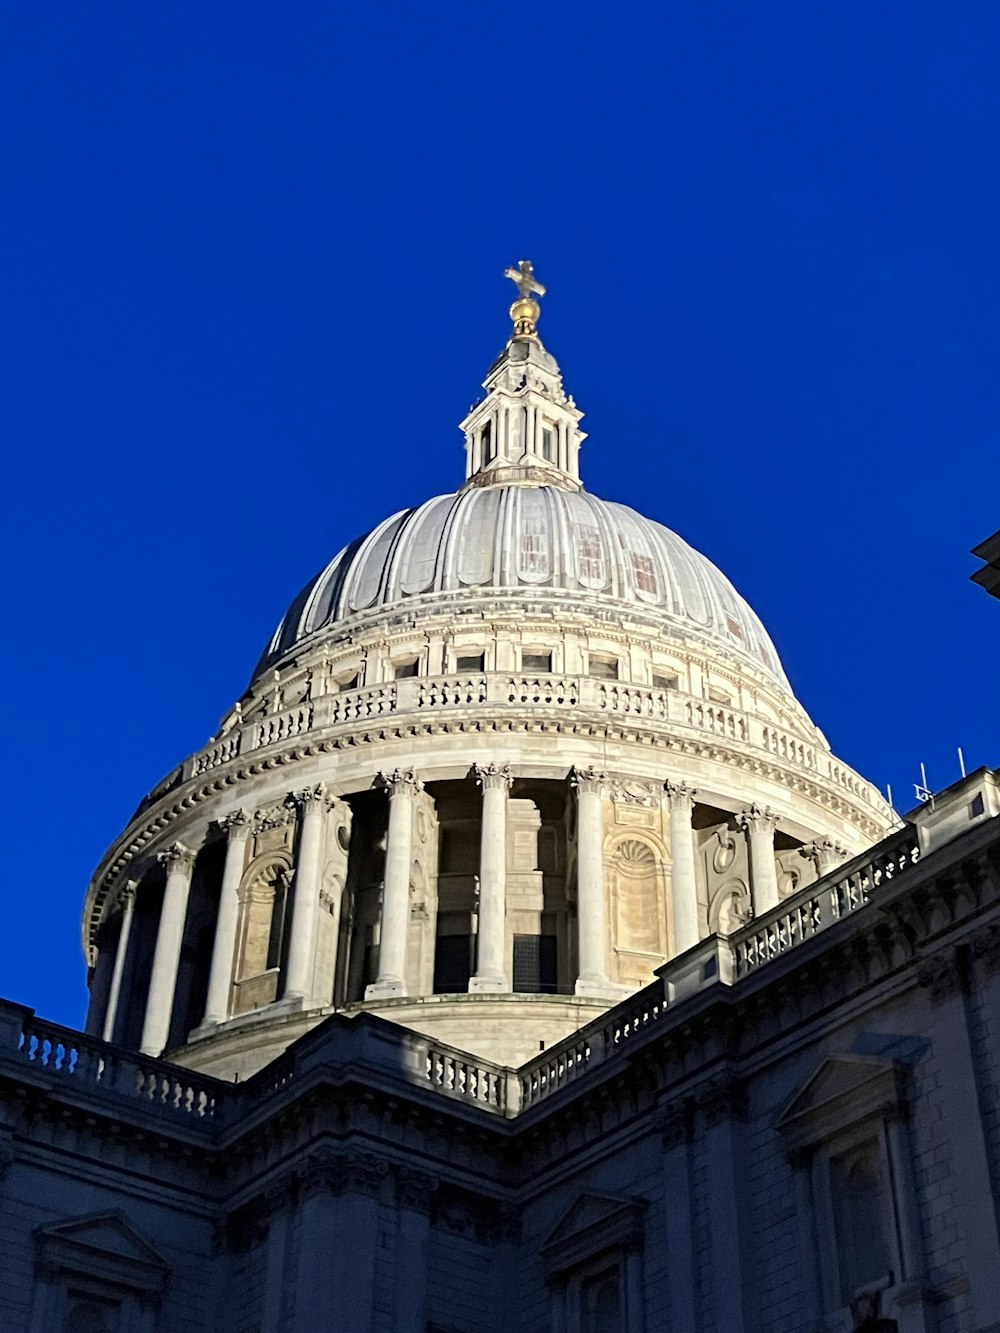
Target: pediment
[[844, 1090], [106, 1246], [593, 1224]]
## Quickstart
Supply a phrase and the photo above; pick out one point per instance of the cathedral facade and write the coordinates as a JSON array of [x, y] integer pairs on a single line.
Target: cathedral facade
[[518, 954]]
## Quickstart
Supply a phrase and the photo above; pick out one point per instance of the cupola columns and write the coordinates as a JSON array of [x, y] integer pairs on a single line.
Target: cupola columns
[[237, 826], [591, 910], [314, 805], [495, 780], [760, 825], [394, 923], [683, 882], [179, 863], [121, 952]]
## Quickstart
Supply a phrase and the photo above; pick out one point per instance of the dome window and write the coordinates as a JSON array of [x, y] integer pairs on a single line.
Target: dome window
[[536, 661], [401, 670], [470, 662], [604, 668], [547, 443], [665, 682], [349, 682], [486, 442]]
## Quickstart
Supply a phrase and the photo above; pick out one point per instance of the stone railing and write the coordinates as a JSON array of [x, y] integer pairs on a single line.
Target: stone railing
[[459, 1075], [282, 726], [601, 1040], [99, 1067], [500, 692], [821, 905]]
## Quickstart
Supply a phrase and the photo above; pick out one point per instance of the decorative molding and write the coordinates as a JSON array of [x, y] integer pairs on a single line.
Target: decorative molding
[[722, 1098], [400, 782], [673, 1124], [177, 859], [331, 1171], [825, 854], [757, 819], [984, 948], [942, 975], [274, 816], [493, 776], [415, 1189], [590, 781], [311, 800], [237, 824], [679, 795]]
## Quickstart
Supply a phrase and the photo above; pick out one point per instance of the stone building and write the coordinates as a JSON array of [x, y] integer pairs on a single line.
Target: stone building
[[518, 954]]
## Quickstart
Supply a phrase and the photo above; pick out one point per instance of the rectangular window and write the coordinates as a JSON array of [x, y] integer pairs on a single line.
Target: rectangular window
[[719, 696], [536, 661], [401, 670], [547, 443], [486, 442], [351, 683], [535, 964], [452, 964], [604, 668], [470, 662], [664, 682]]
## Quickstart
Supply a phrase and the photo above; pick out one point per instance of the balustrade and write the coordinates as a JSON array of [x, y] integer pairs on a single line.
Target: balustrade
[[461, 1076], [281, 726], [111, 1070], [835, 897], [359, 705], [501, 690]]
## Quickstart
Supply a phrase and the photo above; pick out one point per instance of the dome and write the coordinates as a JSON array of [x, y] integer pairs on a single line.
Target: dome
[[525, 540]]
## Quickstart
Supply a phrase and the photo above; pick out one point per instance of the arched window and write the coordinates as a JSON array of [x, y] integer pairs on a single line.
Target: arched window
[[86, 1317], [862, 1247], [602, 1304]]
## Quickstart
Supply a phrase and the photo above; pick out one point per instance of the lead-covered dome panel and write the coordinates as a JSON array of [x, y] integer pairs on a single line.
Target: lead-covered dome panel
[[528, 538]]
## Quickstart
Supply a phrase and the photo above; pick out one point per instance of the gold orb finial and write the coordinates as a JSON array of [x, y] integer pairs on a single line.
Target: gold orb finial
[[525, 310]]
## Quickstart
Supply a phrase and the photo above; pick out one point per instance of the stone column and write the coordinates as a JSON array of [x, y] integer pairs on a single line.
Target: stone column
[[179, 863], [590, 907], [683, 884], [127, 900], [394, 927], [491, 940], [220, 976], [721, 1104], [414, 1199], [313, 804], [760, 824]]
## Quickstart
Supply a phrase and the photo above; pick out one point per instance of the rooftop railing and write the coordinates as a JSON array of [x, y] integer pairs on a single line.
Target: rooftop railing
[[501, 692]]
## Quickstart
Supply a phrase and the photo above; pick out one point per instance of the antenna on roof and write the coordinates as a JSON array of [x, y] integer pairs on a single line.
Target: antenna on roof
[[961, 762], [923, 792]]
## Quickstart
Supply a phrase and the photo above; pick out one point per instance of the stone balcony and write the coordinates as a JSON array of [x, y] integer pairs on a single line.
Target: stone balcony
[[582, 701]]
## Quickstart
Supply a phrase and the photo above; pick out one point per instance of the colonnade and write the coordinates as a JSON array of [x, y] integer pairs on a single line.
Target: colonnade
[[491, 971]]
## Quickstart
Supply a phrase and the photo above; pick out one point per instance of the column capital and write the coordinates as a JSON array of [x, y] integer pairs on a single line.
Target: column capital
[[400, 782], [492, 776], [589, 780], [679, 795], [126, 896], [236, 824], [757, 819], [311, 800], [824, 853], [177, 857]]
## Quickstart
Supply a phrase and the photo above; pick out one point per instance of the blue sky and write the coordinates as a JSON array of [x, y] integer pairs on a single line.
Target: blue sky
[[251, 263]]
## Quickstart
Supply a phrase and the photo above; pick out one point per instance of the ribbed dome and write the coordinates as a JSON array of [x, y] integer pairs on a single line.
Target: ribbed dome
[[529, 540]]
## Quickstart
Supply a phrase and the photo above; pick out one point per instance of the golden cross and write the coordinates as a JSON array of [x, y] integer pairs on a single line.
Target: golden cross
[[524, 276]]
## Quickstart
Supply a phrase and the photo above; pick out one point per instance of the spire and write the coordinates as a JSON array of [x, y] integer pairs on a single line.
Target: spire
[[526, 429]]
